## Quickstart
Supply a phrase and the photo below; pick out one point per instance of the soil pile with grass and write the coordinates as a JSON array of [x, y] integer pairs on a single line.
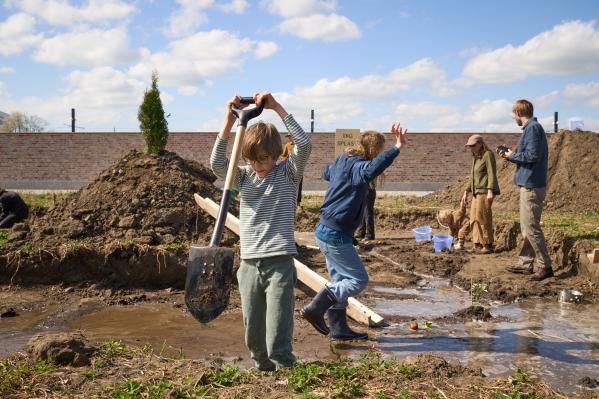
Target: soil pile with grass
[[573, 177], [145, 199]]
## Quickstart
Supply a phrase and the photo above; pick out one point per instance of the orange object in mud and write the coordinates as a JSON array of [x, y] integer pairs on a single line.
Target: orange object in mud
[[414, 325]]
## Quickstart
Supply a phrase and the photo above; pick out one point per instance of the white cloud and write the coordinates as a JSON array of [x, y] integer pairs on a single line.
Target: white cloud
[[62, 13], [589, 91], [265, 49], [438, 116], [190, 16], [191, 60], [489, 112], [568, 48], [94, 48], [298, 8], [329, 28], [234, 6], [312, 20], [546, 100], [17, 34], [7, 70], [103, 97]]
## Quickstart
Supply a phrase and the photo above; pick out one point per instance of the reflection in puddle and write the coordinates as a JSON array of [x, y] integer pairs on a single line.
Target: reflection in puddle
[[557, 342], [433, 299]]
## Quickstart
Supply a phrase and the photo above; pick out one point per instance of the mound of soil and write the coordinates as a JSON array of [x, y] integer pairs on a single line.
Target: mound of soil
[[474, 312], [145, 199], [572, 180]]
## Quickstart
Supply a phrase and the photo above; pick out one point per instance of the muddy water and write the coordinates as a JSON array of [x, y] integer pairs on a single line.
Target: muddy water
[[558, 342]]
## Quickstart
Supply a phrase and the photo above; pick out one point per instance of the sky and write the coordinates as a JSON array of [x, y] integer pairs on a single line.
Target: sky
[[432, 65]]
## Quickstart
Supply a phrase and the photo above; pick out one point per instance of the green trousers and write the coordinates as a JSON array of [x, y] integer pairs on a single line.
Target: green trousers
[[267, 301]]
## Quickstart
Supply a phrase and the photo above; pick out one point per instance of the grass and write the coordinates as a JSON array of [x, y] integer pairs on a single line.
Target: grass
[[46, 200], [121, 372], [3, 237]]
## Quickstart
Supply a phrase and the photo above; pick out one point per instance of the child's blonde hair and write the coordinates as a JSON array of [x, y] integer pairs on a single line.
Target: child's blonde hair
[[444, 216], [261, 138], [370, 144]]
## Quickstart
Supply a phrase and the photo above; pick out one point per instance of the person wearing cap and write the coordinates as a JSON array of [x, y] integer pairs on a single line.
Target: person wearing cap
[[484, 186]]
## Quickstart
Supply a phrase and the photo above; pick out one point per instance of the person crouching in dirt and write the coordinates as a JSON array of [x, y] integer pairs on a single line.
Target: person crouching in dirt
[[484, 186], [457, 222], [340, 214], [266, 275], [14, 209]]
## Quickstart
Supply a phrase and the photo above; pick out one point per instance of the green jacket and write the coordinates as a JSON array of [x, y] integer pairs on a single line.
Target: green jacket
[[483, 176]]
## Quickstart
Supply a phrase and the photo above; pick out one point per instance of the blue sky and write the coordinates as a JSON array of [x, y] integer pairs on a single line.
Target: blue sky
[[433, 65]]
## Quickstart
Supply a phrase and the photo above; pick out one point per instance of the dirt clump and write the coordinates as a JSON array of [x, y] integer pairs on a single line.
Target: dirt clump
[[61, 348], [474, 312], [572, 179], [146, 199]]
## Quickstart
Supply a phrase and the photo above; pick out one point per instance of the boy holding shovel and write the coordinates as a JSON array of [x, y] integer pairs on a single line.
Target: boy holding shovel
[[268, 191]]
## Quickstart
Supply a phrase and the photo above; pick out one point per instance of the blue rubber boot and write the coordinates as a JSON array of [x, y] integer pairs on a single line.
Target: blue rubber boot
[[340, 330], [314, 311]]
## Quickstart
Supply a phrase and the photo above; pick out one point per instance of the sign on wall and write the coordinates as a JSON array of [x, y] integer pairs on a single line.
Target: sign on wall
[[345, 138]]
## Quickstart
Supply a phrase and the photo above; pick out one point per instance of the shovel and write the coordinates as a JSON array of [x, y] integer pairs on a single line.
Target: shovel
[[210, 269]]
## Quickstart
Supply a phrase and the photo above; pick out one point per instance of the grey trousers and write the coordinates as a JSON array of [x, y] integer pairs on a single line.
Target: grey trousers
[[531, 206], [267, 301]]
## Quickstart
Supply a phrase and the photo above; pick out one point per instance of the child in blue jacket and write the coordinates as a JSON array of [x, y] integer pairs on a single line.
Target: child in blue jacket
[[340, 215]]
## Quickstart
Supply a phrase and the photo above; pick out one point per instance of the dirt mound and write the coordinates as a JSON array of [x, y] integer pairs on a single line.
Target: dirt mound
[[573, 177], [61, 349], [474, 312], [145, 199]]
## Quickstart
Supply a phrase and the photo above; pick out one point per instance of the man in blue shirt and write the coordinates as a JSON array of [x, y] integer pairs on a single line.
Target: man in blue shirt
[[531, 158]]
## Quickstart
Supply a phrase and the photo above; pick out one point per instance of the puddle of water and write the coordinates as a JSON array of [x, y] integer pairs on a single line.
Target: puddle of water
[[16, 331], [436, 298], [558, 342]]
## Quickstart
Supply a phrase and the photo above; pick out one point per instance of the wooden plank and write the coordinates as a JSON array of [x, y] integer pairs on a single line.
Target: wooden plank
[[594, 256], [355, 309]]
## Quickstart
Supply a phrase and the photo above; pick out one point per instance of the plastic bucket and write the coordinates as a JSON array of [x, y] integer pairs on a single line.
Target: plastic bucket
[[442, 241], [422, 233]]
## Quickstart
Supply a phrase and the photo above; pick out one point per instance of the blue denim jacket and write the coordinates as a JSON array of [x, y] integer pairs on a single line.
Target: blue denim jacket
[[531, 156]]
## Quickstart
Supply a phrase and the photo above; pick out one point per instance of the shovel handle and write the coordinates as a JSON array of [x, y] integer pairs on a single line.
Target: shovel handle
[[244, 116]]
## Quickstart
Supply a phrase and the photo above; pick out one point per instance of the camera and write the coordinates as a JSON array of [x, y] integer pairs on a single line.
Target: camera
[[502, 148]]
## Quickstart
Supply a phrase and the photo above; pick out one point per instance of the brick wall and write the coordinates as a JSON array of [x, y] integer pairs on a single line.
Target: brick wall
[[68, 160]]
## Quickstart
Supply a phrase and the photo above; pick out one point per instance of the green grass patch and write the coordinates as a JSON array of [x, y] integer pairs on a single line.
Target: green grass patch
[[3, 237], [45, 200]]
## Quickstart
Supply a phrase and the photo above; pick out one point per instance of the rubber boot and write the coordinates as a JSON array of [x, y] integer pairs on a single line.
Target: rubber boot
[[340, 330], [314, 311]]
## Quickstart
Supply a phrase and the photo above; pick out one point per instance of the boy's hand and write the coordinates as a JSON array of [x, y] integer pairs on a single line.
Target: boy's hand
[[399, 133], [270, 103]]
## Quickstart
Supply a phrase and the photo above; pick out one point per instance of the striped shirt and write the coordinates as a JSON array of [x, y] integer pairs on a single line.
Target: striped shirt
[[267, 209]]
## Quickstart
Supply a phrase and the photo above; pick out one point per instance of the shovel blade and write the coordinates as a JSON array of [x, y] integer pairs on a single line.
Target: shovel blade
[[208, 281]]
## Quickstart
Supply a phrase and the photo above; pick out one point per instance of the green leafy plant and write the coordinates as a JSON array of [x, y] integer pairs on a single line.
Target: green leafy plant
[[152, 123], [478, 290], [113, 348], [428, 324], [304, 375]]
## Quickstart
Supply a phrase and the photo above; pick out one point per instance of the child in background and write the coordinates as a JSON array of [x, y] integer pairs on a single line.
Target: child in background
[[340, 214], [457, 222], [268, 190]]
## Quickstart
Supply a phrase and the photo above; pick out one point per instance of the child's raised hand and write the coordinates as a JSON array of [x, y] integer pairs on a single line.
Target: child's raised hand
[[399, 133], [270, 103]]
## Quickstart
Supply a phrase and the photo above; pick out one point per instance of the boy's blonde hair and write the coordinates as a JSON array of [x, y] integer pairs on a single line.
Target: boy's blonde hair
[[261, 138], [523, 108]]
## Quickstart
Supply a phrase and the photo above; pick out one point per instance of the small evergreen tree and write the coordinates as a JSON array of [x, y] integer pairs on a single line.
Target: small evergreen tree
[[152, 123]]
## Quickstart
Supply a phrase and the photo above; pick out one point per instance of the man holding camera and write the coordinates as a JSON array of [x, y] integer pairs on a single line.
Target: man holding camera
[[531, 158]]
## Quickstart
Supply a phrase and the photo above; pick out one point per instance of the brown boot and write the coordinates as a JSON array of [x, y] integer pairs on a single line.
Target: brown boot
[[520, 269], [542, 274], [485, 250]]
